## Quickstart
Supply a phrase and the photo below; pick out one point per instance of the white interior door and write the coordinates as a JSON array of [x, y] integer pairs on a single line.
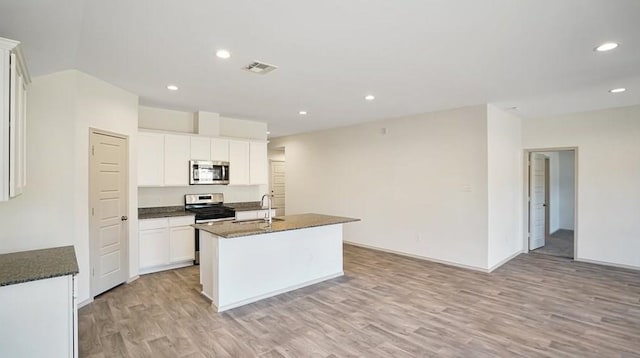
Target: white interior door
[[278, 186], [108, 211], [536, 201]]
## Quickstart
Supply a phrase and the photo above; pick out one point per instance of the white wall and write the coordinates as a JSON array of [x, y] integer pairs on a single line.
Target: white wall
[[103, 106], [566, 179], [505, 186], [276, 154], [43, 216], [240, 128], [420, 189], [165, 119], [53, 211], [185, 122], [174, 196], [608, 175]]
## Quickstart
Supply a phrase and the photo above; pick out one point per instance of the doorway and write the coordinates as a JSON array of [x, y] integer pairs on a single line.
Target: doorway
[[550, 202], [277, 179], [108, 208]]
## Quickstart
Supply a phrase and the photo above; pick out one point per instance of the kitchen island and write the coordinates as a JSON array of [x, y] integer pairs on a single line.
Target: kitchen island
[[243, 262]]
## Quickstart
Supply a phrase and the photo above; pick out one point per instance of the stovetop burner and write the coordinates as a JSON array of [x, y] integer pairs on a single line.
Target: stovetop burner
[[208, 207]]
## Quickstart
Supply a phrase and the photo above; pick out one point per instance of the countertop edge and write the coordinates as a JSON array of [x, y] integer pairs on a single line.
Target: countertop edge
[[33, 265], [329, 220]]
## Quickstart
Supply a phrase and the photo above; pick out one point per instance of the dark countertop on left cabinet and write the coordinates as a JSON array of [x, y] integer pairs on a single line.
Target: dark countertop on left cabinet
[[25, 266]]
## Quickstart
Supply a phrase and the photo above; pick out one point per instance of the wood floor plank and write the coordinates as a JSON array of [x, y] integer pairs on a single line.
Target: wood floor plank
[[385, 306]]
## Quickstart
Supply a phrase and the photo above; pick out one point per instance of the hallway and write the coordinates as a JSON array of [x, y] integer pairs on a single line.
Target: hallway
[[560, 243]]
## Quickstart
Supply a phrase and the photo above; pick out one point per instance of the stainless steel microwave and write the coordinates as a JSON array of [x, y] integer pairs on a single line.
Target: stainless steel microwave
[[208, 172]]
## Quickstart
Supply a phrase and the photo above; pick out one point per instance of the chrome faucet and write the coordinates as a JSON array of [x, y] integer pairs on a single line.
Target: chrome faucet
[[268, 217]]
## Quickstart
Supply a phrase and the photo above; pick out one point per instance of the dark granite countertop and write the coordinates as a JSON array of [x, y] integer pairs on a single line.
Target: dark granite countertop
[[162, 212], [246, 206], [25, 266], [169, 211], [230, 229]]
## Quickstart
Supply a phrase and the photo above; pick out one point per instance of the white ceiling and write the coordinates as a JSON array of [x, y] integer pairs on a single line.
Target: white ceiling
[[415, 55]]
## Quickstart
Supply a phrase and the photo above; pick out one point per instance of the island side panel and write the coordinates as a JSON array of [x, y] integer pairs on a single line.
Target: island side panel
[[209, 265], [260, 266]]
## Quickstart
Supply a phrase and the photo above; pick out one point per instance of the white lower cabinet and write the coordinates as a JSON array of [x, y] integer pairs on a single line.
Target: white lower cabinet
[[181, 239], [39, 318], [166, 243], [154, 243], [254, 214]]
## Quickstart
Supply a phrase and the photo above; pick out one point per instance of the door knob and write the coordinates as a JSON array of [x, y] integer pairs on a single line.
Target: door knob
[[124, 218]]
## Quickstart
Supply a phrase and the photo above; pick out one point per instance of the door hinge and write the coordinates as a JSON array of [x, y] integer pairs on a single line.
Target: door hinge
[[93, 211], [93, 150], [93, 271]]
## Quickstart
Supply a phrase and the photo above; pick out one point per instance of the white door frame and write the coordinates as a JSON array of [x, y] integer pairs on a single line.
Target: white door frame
[[92, 249], [525, 236]]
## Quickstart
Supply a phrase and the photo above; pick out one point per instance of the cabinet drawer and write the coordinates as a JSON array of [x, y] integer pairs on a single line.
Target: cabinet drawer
[[150, 224], [181, 221]]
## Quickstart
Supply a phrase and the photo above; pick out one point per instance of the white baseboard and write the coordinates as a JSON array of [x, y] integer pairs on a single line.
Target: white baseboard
[[85, 302], [509, 258], [208, 297], [272, 293], [444, 262], [604, 263], [165, 267], [131, 279]]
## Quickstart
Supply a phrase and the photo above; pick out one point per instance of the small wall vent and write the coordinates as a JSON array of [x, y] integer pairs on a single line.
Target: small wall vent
[[260, 68]]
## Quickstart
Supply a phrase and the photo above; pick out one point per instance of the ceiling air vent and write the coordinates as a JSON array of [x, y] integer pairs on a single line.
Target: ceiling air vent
[[260, 68]]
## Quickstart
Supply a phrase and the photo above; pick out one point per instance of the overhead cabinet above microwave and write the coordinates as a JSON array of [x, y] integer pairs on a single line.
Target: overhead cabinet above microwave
[[14, 79], [164, 159]]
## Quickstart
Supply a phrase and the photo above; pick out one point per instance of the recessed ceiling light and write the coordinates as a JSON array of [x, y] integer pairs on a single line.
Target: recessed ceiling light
[[607, 46], [369, 97], [223, 54], [172, 87], [303, 113], [618, 90]]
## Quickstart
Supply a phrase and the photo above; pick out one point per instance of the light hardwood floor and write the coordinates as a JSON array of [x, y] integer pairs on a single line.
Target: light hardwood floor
[[385, 306], [560, 243]]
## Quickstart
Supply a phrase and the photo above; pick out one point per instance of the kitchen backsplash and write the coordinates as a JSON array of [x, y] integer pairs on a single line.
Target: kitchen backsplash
[[169, 196]]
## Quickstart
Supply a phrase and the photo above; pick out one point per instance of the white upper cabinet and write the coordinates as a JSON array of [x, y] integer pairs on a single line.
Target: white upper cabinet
[[177, 153], [258, 163], [200, 148], [163, 159], [220, 149], [238, 162], [150, 159], [14, 79]]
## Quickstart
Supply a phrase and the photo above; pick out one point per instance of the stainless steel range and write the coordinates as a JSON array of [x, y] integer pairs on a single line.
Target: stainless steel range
[[208, 208]]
